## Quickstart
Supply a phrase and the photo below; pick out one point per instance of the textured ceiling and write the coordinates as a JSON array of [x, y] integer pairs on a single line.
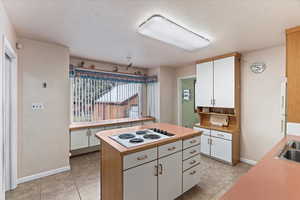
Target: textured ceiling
[[106, 29]]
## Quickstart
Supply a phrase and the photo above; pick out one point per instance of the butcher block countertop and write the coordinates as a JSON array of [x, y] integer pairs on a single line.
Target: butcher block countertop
[[178, 131], [83, 125], [270, 179]]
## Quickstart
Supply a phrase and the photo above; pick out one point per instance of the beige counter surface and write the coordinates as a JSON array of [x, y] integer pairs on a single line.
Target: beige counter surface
[[270, 179]]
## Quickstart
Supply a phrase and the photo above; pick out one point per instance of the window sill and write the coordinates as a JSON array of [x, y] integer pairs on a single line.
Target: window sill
[[104, 123]]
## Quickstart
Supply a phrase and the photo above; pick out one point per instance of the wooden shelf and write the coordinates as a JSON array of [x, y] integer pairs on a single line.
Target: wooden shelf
[[213, 113]]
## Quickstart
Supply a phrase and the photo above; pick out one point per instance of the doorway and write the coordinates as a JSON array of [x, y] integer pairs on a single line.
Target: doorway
[[186, 101], [8, 118]]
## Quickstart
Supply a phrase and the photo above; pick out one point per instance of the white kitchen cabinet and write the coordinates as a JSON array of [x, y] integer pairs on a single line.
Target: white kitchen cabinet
[[191, 178], [94, 141], [205, 144], [215, 85], [224, 82], [140, 182], [221, 149], [204, 84], [170, 176], [79, 139]]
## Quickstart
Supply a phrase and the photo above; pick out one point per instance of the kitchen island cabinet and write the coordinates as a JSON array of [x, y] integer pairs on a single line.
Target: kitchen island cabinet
[[151, 171]]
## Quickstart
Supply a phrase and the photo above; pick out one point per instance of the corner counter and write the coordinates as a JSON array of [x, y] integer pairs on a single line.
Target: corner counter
[[271, 179]]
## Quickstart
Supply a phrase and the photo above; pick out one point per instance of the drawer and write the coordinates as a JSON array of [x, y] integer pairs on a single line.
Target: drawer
[[191, 142], [204, 131], [139, 158], [191, 178], [222, 135], [187, 153], [168, 149], [195, 160]]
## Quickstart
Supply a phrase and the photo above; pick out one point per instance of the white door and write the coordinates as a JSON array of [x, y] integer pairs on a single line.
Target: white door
[[205, 144], [204, 84], [224, 82], [140, 183], [170, 177], [221, 149]]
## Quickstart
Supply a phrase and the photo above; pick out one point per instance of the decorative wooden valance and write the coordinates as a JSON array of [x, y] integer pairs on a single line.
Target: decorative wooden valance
[[110, 76]]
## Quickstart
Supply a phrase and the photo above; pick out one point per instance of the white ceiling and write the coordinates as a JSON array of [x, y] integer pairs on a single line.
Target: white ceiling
[[106, 29]]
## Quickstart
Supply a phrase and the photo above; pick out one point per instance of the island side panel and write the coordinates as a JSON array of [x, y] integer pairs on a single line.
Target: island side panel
[[111, 173]]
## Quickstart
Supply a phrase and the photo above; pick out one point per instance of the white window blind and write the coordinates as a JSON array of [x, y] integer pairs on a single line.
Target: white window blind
[[96, 100]]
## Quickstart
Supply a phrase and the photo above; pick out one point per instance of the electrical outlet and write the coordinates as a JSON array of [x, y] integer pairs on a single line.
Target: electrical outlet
[[37, 106]]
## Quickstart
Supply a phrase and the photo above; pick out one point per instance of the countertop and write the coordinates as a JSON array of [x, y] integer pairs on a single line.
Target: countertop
[[178, 131], [102, 123], [270, 179]]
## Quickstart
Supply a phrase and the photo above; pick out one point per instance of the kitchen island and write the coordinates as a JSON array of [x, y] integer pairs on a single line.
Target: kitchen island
[[271, 179], [160, 169]]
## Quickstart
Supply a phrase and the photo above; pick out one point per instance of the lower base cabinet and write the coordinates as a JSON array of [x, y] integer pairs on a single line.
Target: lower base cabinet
[[221, 149], [140, 183], [191, 178], [158, 173], [169, 177]]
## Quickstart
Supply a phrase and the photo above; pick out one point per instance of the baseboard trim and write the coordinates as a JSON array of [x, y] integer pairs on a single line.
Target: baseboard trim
[[43, 174], [247, 161]]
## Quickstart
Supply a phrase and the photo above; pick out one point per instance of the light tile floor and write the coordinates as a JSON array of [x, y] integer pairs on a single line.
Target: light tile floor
[[83, 182]]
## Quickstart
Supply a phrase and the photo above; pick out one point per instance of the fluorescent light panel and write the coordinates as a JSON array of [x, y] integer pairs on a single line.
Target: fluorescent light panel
[[163, 29]]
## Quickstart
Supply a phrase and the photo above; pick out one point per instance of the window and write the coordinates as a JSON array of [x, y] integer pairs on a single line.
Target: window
[[97, 96]]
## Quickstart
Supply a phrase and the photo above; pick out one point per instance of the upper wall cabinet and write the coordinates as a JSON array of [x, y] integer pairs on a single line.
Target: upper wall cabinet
[[293, 75], [204, 84], [224, 83], [216, 82]]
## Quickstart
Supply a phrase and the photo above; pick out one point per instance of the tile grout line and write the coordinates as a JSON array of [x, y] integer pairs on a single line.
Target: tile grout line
[[73, 179]]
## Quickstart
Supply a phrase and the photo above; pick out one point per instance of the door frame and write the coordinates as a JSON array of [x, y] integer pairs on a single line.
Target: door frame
[[179, 97], [9, 50]]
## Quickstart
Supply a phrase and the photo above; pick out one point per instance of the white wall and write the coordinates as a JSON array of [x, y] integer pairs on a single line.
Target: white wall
[[7, 30], [44, 143], [260, 110], [260, 101]]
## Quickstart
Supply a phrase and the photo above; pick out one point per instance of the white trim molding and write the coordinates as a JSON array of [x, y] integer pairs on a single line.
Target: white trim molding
[[293, 128], [247, 161], [43, 174], [179, 97]]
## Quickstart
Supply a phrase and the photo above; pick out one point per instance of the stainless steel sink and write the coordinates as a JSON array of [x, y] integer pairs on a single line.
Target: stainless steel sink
[[291, 151]]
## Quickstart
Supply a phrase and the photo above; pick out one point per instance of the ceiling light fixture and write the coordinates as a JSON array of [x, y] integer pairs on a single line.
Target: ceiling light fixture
[[165, 30]]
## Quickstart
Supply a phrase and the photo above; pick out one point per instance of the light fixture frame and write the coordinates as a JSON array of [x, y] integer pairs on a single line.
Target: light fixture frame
[[182, 27]]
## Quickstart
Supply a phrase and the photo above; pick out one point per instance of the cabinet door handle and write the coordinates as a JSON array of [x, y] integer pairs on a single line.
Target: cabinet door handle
[[171, 148], [208, 141], [142, 157], [193, 141], [193, 172], [193, 162], [192, 152], [155, 170], [160, 169]]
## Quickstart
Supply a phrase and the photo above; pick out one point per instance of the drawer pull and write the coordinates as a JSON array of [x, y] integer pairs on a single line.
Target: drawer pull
[[160, 169], [220, 135], [142, 157], [193, 162], [193, 141], [192, 152], [193, 172], [171, 148], [156, 170]]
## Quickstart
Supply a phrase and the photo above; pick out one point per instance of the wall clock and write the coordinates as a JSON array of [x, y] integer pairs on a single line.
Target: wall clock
[[258, 68]]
